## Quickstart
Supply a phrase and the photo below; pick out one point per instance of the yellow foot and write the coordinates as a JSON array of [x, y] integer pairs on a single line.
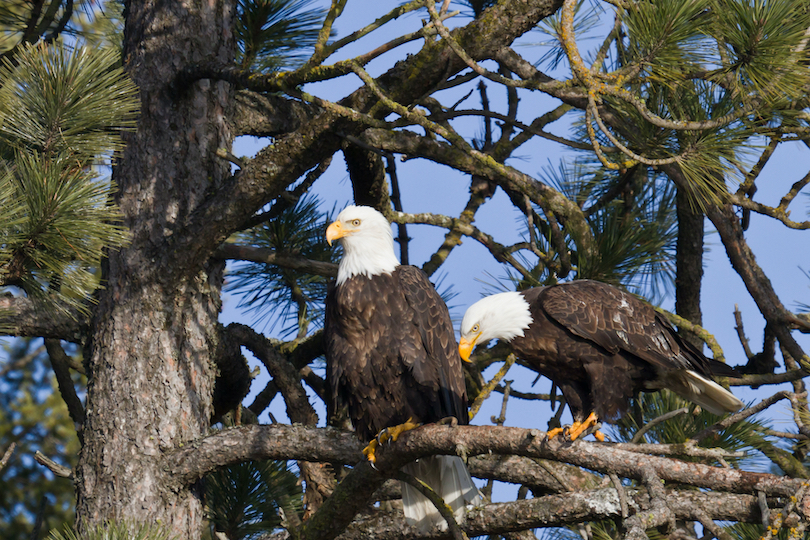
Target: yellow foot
[[576, 429], [369, 451], [389, 434]]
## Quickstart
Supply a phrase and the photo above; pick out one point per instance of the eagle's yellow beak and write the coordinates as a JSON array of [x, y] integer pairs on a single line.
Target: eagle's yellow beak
[[334, 231], [465, 348]]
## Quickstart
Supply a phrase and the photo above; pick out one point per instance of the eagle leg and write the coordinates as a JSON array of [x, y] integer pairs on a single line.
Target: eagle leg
[[389, 434]]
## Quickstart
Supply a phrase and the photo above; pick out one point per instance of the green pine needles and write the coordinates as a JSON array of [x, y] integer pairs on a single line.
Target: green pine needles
[[61, 117]]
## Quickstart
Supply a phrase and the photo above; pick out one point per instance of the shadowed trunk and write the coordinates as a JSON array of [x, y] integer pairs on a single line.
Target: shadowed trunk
[[154, 336]]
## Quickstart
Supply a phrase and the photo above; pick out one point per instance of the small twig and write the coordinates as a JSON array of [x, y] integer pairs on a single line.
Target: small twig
[[396, 200], [584, 530], [784, 434], [655, 421], [7, 455], [794, 190], [228, 156], [59, 363], [499, 420], [738, 326], [762, 500], [487, 389], [438, 502], [709, 524], [57, 469], [553, 473], [617, 483], [756, 381], [698, 330], [745, 413], [40, 518]]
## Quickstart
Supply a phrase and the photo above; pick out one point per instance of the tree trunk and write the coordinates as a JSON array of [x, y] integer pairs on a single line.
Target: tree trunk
[[150, 358]]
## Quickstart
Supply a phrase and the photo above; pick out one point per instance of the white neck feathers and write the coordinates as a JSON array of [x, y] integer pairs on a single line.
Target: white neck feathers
[[368, 250]]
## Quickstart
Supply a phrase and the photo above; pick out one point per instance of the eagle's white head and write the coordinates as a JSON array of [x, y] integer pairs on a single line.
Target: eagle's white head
[[499, 316], [368, 243]]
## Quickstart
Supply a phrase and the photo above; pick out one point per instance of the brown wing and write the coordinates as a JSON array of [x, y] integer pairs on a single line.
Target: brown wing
[[616, 320], [439, 361], [391, 352]]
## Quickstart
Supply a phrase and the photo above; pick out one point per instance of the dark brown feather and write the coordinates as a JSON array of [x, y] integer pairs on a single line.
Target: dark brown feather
[[392, 353], [602, 346]]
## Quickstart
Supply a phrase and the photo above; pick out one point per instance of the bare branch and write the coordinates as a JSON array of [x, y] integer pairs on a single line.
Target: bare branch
[[7, 455], [57, 469], [60, 363], [269, 256], [189, 463]]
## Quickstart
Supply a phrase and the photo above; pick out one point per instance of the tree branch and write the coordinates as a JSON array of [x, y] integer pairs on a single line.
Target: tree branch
[[187, 464], [60, 363], [269, 256], [27, 317]]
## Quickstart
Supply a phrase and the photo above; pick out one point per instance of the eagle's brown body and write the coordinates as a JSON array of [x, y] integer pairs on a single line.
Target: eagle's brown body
[[602, 346], [392, 350]]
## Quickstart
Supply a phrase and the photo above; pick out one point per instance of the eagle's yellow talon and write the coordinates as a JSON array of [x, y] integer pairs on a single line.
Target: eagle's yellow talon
[[578, 428], [387, 435], [369, 451], [394, 432]]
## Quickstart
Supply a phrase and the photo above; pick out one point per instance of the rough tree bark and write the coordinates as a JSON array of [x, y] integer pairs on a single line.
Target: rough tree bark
[[154, 334]]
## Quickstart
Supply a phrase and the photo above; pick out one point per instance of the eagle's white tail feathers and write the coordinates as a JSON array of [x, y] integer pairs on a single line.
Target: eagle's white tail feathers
[[706, 393], [447, 476]]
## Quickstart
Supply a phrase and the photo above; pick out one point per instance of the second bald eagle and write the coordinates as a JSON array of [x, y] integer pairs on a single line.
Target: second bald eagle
[[600, 345]]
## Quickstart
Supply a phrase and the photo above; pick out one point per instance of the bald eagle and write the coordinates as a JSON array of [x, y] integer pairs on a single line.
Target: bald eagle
[[392, 357], [600, 345]]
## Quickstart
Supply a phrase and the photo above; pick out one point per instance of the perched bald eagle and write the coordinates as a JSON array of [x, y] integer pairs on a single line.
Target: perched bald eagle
[[600, 345], [392, 357]]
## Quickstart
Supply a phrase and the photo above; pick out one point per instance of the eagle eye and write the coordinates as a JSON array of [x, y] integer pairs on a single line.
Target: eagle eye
[[356, 222], [475, 328]]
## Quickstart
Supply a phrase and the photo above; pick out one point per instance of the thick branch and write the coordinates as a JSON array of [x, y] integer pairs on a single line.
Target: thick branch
[[270, 115], [26, 317], [188, 464]]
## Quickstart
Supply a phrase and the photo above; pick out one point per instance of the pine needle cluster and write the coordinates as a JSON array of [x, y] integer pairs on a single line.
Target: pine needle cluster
[[246, 500], [62, 114], [277, 294]]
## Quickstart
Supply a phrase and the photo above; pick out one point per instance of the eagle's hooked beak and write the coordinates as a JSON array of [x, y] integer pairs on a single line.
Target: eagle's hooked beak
[[465, 348], [334, 231]]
